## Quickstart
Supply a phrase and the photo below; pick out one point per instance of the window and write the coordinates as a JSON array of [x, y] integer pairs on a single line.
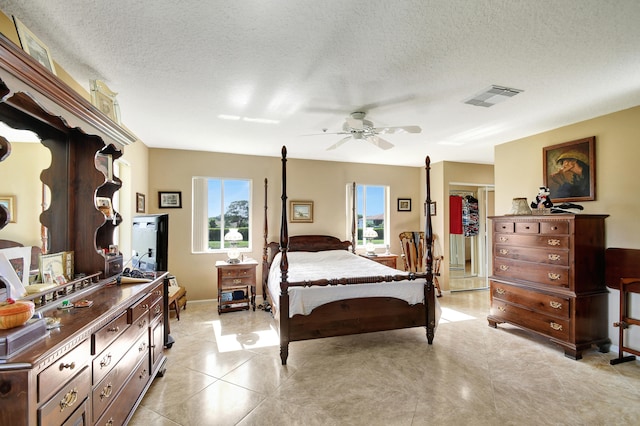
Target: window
[[372, 211], [218, 205]]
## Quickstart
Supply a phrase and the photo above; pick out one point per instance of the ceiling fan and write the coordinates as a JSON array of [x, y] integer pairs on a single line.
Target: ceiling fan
[[359, 128]]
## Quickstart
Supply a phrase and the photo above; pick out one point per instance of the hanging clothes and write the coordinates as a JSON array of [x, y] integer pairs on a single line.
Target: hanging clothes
[[455, 214], [470, 216]]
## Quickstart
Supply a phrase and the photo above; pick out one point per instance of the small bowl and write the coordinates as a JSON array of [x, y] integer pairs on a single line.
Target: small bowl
[[15, 314]]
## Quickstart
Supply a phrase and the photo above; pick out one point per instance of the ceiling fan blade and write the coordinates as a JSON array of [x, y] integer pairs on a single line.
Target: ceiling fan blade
[[337, 144], [327, 133], [379, 142], [398, 129]]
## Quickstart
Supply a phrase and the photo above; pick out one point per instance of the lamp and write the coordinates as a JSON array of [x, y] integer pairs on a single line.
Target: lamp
[[233, 236], [370, 234]]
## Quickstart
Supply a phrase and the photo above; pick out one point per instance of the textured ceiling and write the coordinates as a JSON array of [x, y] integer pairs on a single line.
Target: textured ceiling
[[307, 64]]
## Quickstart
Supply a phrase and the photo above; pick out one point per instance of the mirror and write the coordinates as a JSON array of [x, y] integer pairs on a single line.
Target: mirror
[[20, 179]]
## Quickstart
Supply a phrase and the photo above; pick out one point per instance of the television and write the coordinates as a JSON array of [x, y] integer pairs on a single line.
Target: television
[[149, 242]]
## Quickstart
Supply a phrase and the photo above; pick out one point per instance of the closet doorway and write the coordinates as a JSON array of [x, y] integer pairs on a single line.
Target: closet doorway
[[469, 248]]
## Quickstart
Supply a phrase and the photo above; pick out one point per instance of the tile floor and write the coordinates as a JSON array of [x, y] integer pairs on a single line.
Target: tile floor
[[225, 370]]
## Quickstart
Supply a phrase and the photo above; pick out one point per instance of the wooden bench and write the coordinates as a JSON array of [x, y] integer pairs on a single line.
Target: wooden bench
[[177, 299]]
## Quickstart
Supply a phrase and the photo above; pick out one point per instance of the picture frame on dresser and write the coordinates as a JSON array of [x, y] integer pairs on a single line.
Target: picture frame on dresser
[[34, 46], [569, 170]]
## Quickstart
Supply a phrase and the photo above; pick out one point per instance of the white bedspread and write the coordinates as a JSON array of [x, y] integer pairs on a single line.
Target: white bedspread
[[330, 264]]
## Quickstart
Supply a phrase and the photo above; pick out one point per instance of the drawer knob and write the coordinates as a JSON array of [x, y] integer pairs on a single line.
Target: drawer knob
[[553, 242], [556, 326], [142, 323], [106, 392], [157, 311], [503, 239], [553, 276], [502, 309], [237, 281], [144, 306], [504, 267], [555, 305], [143, 374], [500, 291], [69, 366], [105, 361], [114, 329], [554, 257], [109, 422], [142, 347], [504, 251], [69, 399]]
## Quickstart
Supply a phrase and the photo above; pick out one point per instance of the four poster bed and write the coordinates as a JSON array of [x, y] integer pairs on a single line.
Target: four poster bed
[[318, 288]]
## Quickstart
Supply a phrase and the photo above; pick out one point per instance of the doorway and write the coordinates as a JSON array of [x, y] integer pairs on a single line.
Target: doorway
[[469, 248]]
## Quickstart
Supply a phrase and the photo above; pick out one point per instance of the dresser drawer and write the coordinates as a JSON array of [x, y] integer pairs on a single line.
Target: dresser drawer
[[108, 388], [237, 276], [540, 302], [119, 410], [557, 276], [65, 402], [537, 255], [547, 325], [508, 227], [107, 334], [536, 241], [527, 227], [61, 371], [559, 227], [140, 308]]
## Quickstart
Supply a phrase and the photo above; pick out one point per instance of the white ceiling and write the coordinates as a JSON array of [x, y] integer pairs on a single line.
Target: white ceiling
[[177, 65]]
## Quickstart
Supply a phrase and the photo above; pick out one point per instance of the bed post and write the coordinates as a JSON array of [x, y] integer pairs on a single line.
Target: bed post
[[265, 271], [429, 293], [353, 218], [284, 267]]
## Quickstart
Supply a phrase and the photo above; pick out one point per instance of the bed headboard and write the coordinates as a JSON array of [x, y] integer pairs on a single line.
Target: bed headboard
[[308, 243]]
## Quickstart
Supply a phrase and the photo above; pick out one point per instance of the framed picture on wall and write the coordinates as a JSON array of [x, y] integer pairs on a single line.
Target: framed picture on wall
[[404, 204], [140, 203], [170, 199], [301, 211], [569, 170]]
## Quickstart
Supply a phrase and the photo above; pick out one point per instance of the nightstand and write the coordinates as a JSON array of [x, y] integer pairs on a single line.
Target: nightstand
[[389, 260], [236, 285]]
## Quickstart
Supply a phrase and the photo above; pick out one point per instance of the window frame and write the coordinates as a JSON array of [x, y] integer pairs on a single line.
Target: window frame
[[386, 212], [199, 205]]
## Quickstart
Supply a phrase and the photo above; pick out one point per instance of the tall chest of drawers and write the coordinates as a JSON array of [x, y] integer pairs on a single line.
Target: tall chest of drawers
[[548, 277]]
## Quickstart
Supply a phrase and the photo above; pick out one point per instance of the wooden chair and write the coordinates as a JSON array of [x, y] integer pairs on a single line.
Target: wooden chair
[[414, 254]]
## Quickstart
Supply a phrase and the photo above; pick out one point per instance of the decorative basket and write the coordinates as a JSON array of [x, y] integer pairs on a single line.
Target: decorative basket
[[15, 314]]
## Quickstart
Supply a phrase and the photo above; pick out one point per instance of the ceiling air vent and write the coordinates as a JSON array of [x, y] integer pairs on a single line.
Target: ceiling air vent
[[492, 95]]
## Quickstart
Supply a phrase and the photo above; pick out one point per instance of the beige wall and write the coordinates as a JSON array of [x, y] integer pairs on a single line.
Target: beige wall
[[320, 181], [518, 171]]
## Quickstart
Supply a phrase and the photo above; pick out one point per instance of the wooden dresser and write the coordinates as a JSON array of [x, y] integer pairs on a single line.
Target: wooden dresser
[[95, 368], [548, 277]]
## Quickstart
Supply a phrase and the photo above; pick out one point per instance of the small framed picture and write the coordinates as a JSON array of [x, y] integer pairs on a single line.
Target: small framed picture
[[301, 211], [404, 204], [140, 203], [51, 267], [9, 201], [104, 99], [33, 46], [432, 208], [170, 199]]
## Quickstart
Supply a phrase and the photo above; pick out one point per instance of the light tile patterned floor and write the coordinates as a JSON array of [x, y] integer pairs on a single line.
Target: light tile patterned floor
[[225, 370]]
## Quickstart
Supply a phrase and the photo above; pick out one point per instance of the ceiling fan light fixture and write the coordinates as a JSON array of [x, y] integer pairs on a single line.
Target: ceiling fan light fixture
[[492, 95]]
